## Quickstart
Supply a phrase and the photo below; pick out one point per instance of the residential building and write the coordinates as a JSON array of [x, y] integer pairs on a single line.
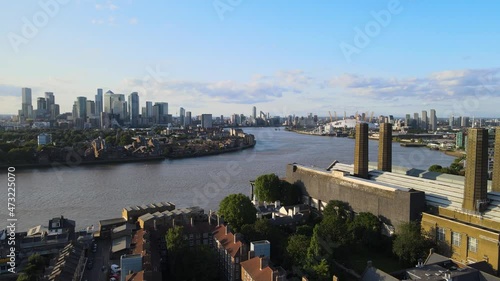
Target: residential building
[[26, 106], [231, 251], [69, 264], [81, 108], [149, 109], [44, 139], [259, 269], [90, 108], [130, 264], [424, 124], [188, 120]]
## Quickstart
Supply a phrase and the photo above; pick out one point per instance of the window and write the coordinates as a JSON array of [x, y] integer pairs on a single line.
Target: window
[[455, 239], [472, 245], [441, 234]]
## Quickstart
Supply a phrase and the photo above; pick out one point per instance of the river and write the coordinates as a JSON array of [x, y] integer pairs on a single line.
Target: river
[[90, 193]]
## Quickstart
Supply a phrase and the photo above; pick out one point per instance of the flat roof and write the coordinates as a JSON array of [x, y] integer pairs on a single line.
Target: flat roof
[[112, 221], [446, 191]]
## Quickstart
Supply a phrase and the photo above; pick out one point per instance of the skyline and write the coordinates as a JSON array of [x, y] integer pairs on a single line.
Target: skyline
[[284, 58]]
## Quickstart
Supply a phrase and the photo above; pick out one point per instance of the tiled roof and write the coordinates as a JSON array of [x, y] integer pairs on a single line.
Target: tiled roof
[[227, 240], [252, 267]]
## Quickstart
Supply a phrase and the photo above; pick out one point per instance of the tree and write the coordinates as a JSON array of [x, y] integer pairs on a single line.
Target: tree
[[125, 139], [24, 277], [290, 194], [435, 168], [175, 244], [294, 252], [409, 244], [321, 271], [237, 210], [268, 188], [365, 229]]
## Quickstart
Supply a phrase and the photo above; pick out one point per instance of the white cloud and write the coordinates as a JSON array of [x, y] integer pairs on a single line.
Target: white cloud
[[133, 21]]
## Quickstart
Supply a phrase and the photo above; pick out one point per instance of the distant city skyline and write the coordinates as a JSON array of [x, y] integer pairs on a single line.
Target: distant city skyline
[[284, 58]]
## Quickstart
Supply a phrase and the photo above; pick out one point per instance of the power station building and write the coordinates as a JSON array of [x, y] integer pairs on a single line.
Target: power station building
[[462, 214]]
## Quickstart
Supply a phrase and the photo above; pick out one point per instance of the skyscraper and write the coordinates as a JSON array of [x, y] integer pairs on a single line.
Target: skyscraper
[[26, 106], [424, 121], [108, 101], [451, 121], [50, 99], [206, 120], [416, 121], [133, 108], [81, 107], [433, 122], [98, 102], [91, 108], [182, 112], [187, 120], [41, 107], [254, 114], [149, 109]]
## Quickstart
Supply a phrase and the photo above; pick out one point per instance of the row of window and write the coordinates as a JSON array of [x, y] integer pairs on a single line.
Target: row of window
[[456, 239]]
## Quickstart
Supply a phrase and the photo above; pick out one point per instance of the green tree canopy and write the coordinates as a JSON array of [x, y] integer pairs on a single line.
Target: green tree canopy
[[409, 244], [290, 194], [295, 249], [268, 188], [365, 229], [237, 210]]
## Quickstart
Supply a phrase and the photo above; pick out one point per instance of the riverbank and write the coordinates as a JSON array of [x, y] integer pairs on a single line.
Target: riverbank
[[76, 162], [454, 153]]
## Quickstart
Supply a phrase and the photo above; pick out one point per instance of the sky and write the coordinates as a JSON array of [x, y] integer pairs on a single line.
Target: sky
[[284, 57]]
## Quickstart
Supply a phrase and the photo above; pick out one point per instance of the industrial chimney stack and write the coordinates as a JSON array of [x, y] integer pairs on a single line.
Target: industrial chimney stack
[[476, 171], [385, 147], [361, 151]]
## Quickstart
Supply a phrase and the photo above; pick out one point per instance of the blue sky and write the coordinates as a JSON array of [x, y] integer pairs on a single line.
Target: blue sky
[[285, 57]]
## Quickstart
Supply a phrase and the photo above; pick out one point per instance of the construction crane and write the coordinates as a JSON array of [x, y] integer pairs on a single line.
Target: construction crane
[[345, 115], [331, 119], [356, 116], [371, 117]]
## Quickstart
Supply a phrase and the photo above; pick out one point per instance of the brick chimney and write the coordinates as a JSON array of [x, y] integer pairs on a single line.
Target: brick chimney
[[385, 147], [361, 151], [495, 185], [476, 170]]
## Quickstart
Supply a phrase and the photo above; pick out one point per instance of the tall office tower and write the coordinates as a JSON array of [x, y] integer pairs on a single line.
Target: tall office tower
[[182, 113], [164, 107], [451, 121], [254, 113], [476, 170], [188, 119], [54, 111], [416, 121], [133, 108], [108, 102], [91, 108], [98, 102], [495, 184], [50, 99], [149, 109], [234, 119], [385, 147], [206, 120], [41, 107], [158, 113], [407, 120], [81, 107], [465, 121], [361, 151], [424, 122], [433, 122], [26, 106]]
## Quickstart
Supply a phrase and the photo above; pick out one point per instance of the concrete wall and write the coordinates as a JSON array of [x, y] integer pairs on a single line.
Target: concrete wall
[[393, 207]]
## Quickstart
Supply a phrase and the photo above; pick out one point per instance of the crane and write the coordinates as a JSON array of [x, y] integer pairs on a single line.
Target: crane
[[331, 119]]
